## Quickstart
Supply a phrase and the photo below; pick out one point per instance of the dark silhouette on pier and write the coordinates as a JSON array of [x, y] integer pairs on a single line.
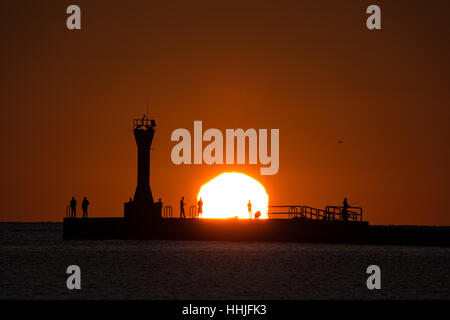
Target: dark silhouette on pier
[[249, 206], [142, 209], [160, 204], [200, 207], [73, 208], [345, 207], [84, 207], [182, 214]]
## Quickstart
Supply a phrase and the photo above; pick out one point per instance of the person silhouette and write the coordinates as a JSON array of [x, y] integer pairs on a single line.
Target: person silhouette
[[73, 207], [345, 207], [160, 205], [84, 207], [182, 215], [200, 207], [249, 206]]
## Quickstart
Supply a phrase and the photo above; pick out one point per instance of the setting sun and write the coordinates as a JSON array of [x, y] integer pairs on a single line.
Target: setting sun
[[227, 196]]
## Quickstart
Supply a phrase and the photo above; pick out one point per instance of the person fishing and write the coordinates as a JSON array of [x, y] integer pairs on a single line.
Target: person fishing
[[345, 207], [200, 207]]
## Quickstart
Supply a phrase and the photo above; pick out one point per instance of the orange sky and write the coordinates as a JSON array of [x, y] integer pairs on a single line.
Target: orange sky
[[309, 68]]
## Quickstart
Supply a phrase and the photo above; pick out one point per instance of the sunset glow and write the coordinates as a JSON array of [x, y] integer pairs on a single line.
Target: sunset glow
[[227, 196]]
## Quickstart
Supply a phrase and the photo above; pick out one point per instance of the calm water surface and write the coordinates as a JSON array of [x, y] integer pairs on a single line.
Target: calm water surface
[[34, 258]]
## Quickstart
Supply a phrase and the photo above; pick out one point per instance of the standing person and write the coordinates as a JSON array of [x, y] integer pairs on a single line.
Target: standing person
[[160, 206], [182, 215], [249, 206], [200, 207], [345, 207], [84, 207], [73, 207]]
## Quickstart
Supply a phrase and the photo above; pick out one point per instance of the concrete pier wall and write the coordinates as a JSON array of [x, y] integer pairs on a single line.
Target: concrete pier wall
[[283, 230]]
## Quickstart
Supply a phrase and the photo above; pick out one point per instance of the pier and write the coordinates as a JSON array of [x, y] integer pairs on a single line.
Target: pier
[[146, 219]]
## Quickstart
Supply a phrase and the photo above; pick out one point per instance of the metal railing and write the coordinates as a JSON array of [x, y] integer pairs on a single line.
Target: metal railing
[[306, 212], [193, 212], [143, 122], [168, 212], [314, 213], [294, 211], [336, 213], [68, 211]]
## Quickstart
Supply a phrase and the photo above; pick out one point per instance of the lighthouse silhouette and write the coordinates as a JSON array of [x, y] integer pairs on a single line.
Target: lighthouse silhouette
[[142, 208]]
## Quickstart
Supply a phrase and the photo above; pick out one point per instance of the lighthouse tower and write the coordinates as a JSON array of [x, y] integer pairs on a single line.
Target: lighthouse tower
[[142, 207]]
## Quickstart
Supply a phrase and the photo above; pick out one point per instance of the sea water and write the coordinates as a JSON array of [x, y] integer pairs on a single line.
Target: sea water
[[34, 259]]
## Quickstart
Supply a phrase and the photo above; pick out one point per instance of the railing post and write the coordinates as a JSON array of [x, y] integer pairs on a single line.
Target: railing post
[[193, 211], [168, 212]]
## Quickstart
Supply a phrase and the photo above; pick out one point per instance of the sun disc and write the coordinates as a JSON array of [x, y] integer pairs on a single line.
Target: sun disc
[[227, 196]]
